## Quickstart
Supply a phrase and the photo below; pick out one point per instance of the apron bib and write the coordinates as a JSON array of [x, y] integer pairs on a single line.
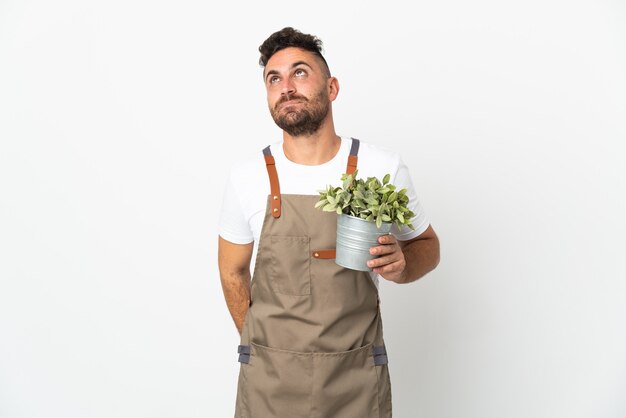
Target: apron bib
[[312, 342]]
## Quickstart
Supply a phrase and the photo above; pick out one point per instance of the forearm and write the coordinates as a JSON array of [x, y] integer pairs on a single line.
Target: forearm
[[236, 287], [421, 256]]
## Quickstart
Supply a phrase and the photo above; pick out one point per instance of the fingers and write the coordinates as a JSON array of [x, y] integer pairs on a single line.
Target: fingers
[[391, 270], [390, 262], [387, 239], [390, 257], [390, 245], [383, 249], [381, 261]]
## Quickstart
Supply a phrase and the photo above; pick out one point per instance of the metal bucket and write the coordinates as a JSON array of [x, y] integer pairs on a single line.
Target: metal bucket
[[355, 237]]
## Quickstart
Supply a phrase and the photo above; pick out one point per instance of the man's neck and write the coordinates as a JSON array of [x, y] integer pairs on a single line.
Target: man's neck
[[315, 149], [311, 150]]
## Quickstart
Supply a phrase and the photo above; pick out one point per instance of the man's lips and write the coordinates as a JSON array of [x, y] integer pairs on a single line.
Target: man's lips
[[288, 103], [291, 102]]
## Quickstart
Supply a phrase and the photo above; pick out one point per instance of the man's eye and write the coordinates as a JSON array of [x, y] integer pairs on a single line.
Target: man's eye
[[273, 79], [300, 72]]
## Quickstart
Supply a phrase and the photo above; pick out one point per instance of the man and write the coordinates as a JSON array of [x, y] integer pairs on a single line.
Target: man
[[311, 331]]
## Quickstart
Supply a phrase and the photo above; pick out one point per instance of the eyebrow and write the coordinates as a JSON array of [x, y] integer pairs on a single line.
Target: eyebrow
[[294, 65]]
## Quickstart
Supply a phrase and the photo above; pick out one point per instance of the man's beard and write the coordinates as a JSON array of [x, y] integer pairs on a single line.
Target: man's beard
[[304, 121]]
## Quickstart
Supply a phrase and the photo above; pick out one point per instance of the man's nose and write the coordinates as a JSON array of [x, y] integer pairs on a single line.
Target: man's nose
[[288, 88]]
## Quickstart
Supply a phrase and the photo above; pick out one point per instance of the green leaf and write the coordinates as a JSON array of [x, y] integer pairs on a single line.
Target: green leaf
[[338, 211], [400, 217], [347, 182], [386, 218], [386, 178], [379, 221], [329, 208], [321, 203]]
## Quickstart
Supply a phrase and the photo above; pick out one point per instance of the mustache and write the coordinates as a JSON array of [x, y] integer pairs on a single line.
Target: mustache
[[290, 97]]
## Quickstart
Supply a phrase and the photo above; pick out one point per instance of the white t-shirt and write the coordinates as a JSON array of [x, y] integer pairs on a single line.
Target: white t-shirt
[[245, 194]]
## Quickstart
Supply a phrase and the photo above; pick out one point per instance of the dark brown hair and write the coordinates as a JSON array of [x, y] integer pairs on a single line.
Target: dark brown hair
[[290, 37]]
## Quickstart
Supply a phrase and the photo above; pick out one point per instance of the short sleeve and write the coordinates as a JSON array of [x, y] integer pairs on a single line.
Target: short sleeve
[[420, 222], [233, 225]]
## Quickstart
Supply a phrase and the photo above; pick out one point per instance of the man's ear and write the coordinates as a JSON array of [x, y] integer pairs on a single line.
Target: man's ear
[[333, 88]]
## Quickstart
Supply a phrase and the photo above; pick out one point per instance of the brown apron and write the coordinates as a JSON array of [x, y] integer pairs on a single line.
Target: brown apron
[[312, 342]]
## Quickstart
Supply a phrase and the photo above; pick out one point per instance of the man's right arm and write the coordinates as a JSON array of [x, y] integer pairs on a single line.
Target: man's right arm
[[234, 265]]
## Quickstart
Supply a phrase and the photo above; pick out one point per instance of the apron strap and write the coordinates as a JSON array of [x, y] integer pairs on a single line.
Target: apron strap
[[353, 157], [274, 185]]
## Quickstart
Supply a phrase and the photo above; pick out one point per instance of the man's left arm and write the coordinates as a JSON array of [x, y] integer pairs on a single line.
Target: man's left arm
[[406, 261]]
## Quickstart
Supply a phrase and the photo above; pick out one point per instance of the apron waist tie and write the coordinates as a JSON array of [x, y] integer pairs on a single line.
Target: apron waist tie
[[380, 355], [244, 353]]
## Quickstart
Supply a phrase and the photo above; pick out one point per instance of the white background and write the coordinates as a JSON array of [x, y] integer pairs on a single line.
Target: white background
[[119, 121]]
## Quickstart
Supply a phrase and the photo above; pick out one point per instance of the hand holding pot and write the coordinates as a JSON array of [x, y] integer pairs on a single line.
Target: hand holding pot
[[390, 262]]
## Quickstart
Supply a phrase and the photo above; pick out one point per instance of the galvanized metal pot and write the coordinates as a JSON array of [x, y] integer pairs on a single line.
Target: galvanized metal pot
[[355, 237]]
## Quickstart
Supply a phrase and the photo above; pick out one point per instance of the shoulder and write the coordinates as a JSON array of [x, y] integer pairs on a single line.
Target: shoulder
[[249, 167], [380, 152], [377, 160]]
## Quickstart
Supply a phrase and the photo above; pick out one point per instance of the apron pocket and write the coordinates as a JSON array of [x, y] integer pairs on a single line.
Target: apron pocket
[[281, 383], [346, 384], [290, 265], [276, 384]]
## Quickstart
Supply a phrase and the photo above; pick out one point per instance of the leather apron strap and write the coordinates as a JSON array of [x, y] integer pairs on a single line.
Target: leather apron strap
[[274, 185], [353, 158]]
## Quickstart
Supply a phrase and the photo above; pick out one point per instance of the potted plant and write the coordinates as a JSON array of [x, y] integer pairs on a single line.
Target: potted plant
[[367, 209]]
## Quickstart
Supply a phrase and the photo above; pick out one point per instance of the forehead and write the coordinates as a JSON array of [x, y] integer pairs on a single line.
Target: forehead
[[285, 58]]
